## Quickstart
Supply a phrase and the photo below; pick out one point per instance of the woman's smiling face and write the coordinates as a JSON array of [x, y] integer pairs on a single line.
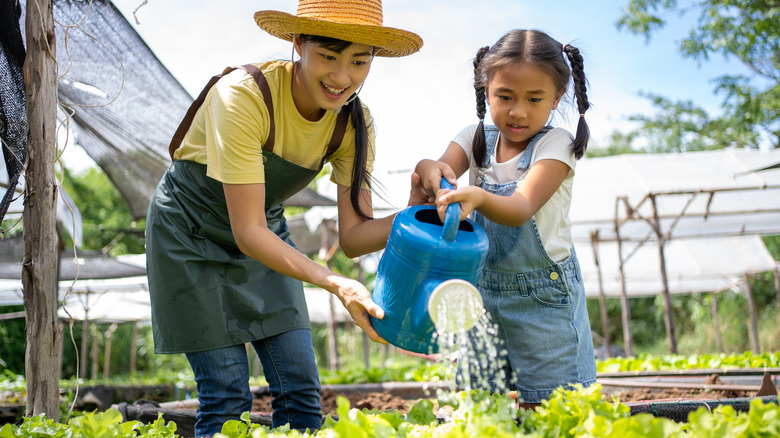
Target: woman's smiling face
[[325, 79]]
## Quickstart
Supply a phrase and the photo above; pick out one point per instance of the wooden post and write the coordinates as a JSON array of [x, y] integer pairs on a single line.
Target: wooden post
[[39, 265], [61, 331], [715, 321], [752, 324], [366, 341], [107, 354], [326, 254], [594, 241], [84, 345], [661, 241], [134, 348], [93, 351], [777, 288], [625, 310]]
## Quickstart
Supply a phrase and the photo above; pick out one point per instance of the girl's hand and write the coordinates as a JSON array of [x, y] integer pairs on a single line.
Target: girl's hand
[[469, 197], [356, 299]]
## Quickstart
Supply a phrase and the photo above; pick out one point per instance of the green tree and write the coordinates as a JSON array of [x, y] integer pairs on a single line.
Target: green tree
[[106, 219], [746, 30]]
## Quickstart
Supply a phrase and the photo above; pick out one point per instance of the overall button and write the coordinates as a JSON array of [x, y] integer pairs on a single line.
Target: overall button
[[553, 276]]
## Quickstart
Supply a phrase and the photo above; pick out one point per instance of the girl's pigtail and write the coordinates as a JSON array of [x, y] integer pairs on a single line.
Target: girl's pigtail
[[479, 149], [359, 170], [578, 74]]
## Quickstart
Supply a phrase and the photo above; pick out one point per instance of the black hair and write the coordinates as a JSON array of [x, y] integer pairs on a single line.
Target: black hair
[[537, 48], [360, 175]]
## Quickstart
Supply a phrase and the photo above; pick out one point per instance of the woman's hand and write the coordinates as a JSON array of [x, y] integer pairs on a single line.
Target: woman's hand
[[450, 166], [356, 299], [430, 173], [417, 195]]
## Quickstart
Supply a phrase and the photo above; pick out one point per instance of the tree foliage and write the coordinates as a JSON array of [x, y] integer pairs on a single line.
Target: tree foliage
[[107, 222], [746, 30]]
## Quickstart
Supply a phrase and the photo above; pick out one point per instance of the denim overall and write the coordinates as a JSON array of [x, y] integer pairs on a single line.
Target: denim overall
[[538, 305], [209, 299]]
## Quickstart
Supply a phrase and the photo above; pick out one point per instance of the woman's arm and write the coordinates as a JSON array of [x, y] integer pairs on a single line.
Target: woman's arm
[[357, 235], [538, 186], [246, 208]]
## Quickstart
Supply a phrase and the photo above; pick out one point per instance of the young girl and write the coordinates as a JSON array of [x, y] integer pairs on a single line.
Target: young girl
[[222, 269], [520, 184]]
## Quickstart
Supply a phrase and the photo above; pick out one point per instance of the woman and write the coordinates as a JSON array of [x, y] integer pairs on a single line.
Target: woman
[[222, 269]]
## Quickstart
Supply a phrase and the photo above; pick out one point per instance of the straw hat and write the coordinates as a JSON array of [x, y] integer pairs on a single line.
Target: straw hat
[[357, 21]]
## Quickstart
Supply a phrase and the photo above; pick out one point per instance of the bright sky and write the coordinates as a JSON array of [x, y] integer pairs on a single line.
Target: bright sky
[[420, 102]]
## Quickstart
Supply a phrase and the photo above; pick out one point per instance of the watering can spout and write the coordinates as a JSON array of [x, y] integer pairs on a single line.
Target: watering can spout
[[455, 306]]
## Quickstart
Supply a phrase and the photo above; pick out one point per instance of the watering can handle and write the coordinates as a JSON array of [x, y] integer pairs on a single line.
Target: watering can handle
[[452, 217]]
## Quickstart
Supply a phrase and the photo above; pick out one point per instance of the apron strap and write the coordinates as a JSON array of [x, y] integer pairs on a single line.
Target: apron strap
[[259, 78], [338, 131]]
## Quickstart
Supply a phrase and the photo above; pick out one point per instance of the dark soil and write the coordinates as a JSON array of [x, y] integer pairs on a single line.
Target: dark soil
[[643, 394], [384, 401]]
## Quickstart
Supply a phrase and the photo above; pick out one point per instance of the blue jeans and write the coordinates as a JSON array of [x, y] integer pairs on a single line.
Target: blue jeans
[[222, 378]]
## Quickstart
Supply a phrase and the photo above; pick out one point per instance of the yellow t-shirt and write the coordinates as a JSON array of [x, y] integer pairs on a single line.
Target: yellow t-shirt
[[229, 129]]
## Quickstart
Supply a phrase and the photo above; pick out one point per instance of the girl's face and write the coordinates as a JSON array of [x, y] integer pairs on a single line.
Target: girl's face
[[521, 97], [325, 79]]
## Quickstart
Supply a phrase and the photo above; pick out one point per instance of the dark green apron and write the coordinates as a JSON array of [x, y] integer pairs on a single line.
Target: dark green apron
[[205, 292]]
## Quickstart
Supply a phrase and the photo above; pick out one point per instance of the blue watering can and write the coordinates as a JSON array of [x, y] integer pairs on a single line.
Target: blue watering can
[[427, 262]]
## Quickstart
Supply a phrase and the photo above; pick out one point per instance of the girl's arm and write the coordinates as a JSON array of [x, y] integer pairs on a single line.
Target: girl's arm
[[538, 186], [246, 208]]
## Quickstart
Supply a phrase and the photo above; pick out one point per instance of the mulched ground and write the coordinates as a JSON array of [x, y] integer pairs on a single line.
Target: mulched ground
[[374, 400], [384, 401]]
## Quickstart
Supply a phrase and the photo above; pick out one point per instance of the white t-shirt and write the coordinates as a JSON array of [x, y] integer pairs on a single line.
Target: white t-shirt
[[552, 220]]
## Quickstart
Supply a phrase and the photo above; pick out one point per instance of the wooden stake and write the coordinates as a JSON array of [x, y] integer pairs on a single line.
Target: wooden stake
[[668, 317], [716, 321], [594, 241], [107, 349], [752, 323], [134, 348], [625, 309]]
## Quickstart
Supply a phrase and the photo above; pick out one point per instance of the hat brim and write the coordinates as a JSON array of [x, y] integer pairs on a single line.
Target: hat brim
[[388, 41]]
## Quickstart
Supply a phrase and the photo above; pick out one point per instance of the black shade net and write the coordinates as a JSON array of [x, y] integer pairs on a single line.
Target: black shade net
[[13, 112], [125, 104]]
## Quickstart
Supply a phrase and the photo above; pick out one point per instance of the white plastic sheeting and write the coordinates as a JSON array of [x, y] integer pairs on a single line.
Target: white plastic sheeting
[[697, 194], [692, 265]]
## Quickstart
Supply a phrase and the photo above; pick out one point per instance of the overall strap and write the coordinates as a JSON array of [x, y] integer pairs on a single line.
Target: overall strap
[[259, 78]]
